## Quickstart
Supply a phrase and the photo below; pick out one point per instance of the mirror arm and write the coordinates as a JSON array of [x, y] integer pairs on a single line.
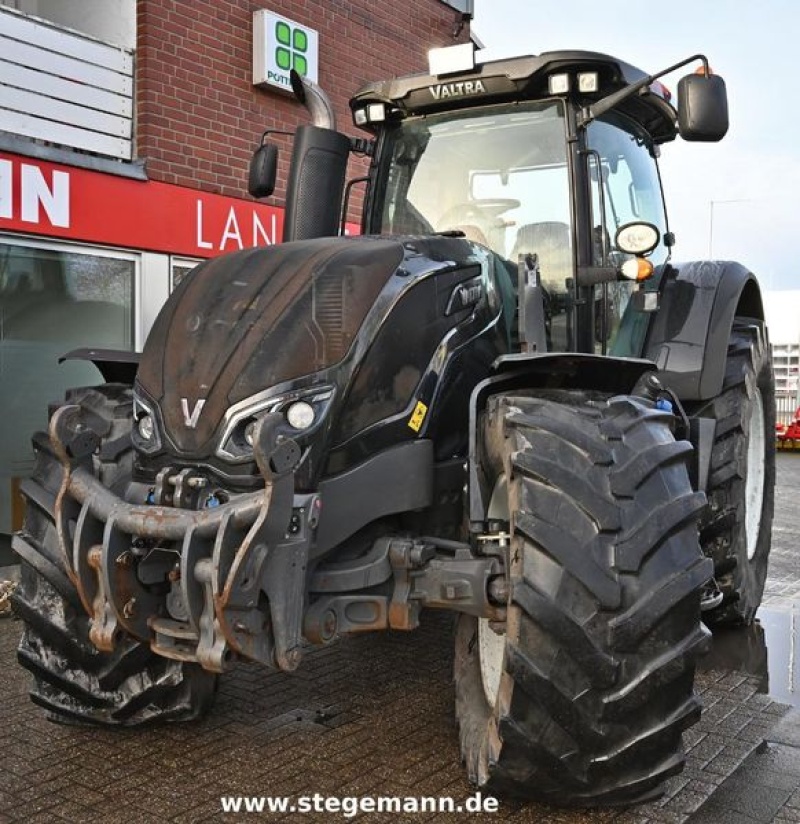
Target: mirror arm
[[272, 131], [607, 103]]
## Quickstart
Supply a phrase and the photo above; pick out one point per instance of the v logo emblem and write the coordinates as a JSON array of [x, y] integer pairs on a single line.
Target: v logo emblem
[[191, 419]]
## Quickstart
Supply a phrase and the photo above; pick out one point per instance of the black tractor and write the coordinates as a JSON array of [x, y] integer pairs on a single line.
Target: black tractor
[[502, 399]]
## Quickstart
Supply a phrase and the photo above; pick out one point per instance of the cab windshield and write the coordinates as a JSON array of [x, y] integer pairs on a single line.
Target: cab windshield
[[498, 174]]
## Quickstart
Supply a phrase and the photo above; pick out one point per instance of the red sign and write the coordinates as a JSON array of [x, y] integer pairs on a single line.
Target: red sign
[[78, 204]]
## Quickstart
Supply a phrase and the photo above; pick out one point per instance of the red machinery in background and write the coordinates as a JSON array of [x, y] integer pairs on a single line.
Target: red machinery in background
[[788, 435]]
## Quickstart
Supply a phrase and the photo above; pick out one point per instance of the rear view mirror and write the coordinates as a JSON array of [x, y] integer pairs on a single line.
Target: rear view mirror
[[702, 107], [263, 171]]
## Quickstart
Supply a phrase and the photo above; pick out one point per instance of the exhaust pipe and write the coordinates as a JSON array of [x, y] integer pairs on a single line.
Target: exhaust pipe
[[315, 100]]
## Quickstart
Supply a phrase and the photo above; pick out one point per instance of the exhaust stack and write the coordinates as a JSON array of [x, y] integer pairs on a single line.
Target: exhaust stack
[[314, 98]]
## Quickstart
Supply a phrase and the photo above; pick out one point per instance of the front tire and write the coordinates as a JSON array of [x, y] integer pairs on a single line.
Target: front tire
[[72, 680], [596, 665], [736, 528]]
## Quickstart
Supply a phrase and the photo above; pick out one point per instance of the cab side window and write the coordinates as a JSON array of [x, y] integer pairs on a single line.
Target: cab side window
[[625, 184]]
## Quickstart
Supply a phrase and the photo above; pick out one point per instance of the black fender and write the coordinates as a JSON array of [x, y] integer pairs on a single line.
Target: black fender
[[517, 372], [688, 336], [115, 365]]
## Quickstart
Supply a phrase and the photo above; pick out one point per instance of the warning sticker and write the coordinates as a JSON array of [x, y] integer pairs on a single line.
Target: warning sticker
[[417, 416]]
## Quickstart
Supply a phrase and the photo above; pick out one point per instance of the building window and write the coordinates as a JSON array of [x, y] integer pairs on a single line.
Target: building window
[[179, 269], [53, 298]]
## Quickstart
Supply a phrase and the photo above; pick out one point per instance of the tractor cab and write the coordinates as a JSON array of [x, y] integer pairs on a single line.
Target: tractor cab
[[542, 159], [502, 175]]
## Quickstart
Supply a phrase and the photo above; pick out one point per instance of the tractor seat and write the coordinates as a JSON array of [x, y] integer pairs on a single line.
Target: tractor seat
[[550, 241]]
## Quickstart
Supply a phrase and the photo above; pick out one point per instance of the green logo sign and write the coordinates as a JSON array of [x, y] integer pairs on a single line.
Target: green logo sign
[[280, 45], [292, 49]]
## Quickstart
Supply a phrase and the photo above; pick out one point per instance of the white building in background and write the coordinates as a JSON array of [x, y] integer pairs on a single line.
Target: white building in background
[[783, 318]]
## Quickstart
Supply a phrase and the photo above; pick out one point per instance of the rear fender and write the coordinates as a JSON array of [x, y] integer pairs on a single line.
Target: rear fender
[[116, 366], [688, 337], [515, 373]]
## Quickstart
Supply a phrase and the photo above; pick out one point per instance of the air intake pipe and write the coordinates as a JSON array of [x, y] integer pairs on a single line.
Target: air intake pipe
[[319, 166]]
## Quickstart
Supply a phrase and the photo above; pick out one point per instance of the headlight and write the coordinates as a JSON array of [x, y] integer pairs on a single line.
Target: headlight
[[300, 415], [144, 433], [303, 411], [146, 427]]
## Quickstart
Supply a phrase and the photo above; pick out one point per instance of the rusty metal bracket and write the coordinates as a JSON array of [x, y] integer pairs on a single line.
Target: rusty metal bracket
[[179, 488], [405, 557], [336, 615], [230, 555], [456, 579], [265, 559], [262, 564], [71, 442], [444, 576], [212, 649]]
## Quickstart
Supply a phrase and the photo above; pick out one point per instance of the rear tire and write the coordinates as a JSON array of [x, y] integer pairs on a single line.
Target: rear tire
[[736, 528], [596, 667], [72, 680]]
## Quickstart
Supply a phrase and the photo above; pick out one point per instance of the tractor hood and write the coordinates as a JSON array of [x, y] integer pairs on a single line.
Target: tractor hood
[[245, 322]]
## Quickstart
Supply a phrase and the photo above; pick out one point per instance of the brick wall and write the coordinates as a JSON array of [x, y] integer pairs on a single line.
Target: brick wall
[[198, 114]]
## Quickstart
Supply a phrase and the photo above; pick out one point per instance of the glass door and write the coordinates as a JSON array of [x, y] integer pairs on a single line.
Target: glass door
[[53, 298]]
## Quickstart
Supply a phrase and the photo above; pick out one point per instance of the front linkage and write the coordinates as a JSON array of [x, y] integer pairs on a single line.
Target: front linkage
[[213, 584]]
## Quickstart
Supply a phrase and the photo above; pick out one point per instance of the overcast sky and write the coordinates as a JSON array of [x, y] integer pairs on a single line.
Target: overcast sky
[[738, 199]]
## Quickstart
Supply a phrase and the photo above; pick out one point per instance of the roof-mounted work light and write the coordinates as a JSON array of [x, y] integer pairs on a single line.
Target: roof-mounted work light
[[371, 113], [558, 83]]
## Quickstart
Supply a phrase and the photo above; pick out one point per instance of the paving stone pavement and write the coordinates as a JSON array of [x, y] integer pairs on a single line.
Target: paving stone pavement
[[765, 787], [783, 583], [369, 716]]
